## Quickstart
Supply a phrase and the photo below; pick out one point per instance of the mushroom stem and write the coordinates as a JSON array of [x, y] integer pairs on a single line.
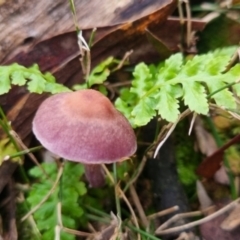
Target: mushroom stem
[[95, 175]]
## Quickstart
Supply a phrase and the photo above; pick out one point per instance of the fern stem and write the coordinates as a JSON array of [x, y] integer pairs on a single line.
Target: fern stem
[[222, 88]]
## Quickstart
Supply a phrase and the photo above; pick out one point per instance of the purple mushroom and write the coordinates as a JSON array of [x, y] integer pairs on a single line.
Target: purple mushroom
[[84, 126]]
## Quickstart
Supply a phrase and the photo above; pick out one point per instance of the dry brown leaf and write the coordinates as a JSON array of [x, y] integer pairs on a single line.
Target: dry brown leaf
[[205, 140], [203, 197], [23, 23], [232, 222]]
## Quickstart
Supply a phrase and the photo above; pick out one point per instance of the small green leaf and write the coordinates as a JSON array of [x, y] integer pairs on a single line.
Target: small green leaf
[[170, 68], [36, 81], [50, 168], [144, 111], [77, 87], [142, 80], [216, 65], [124, 108], [18, 78], [192, 67], [37, 84], [195, 97], [167, 105], [71, 189], [54, 88], [100, 73], [5, 84], [233, 75]]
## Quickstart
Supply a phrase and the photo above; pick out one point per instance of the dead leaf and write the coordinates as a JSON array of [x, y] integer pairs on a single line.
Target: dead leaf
[[205, 140], [211, 230], [203, 197], [232, 221], [212, 163], [30, 22]]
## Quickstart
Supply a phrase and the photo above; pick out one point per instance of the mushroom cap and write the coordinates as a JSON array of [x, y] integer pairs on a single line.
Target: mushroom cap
[[84, 126]]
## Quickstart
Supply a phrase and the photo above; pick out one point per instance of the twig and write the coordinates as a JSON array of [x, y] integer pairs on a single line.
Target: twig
[[85, 58], [60, 171], [163, 213], [189, 23], [184, 227], [126, 55], [60, 226], [171, 127], [24, 147], [138, 205], [179, 216], [124, 198], [77, 233], [189, 35], [192, 123], [166, 137], [120, 84], [137, 172], [131, 210]]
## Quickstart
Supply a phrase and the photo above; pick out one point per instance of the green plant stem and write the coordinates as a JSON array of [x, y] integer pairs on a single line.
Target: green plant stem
[[90, 42], [222, 88], [97, 218], [116, 192], [97, 211], [225, 160], [19, 154], [145, 234], [7, 128]]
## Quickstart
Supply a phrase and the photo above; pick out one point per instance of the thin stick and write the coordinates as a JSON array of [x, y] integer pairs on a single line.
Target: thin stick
[[163, 213], [116, 194], [132, 212], [137, 172], [24, 147], [165, 138], [60, 171], [189, 23], [30, 220], [192, 123], [198, 222], [171, 127], [120, 84], [77, 233], [179, 216], [126, 55], [138, 205], [124, 198], [59, 227]]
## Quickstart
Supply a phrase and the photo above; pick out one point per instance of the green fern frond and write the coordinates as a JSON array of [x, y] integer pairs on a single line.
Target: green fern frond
[[71, 189], [35, 80], [158, 90]]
